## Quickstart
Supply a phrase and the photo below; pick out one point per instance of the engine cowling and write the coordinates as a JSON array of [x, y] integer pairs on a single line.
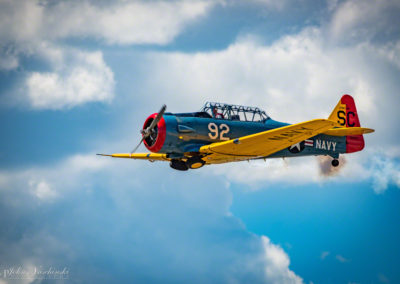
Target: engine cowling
[[155, 141]]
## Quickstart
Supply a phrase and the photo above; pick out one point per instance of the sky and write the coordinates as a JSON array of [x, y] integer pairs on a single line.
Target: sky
[[80, 77]]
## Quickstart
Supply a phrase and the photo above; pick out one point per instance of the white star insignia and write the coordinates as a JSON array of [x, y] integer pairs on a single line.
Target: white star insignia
[[297, 145]]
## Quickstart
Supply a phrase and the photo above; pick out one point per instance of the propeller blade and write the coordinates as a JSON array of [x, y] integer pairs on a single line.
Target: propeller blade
[[134, 149], [153, 124]]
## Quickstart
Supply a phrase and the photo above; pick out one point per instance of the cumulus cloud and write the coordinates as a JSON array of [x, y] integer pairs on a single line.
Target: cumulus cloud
[[68, 77], [77, 77], [48, 184], [258, 174], [32, 28], [100, 209], [278, 77], [277, 264], [120, 22], [384, 171]]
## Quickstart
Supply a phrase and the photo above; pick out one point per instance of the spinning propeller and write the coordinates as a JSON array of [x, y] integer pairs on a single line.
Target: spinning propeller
[[150, 131]]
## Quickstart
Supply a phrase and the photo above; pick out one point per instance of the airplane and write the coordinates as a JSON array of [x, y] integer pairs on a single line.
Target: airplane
[[222, 133]]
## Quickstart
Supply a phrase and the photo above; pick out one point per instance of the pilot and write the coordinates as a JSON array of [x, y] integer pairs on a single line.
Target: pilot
[[217, 114]]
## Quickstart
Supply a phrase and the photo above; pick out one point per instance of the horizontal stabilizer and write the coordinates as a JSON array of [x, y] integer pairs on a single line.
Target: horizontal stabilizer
[[348, 131]]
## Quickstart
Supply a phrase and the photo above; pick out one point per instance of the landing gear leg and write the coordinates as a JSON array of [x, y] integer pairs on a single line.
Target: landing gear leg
[[335, 162]]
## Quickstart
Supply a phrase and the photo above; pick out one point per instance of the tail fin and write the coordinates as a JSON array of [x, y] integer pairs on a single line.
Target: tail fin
[[345, 115]]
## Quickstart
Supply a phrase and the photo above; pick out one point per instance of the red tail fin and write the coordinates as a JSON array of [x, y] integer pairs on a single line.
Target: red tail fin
[[345, 114]]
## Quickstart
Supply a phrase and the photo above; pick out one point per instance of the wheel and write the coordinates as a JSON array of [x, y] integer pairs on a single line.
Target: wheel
[[195, 162], [335, 162], [178, 165]]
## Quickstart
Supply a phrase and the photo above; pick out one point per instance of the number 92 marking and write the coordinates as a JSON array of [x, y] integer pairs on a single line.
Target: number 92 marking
[[223, 129]]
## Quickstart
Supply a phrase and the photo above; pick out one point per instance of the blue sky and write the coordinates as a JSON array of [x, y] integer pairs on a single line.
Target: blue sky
[[80, 77]]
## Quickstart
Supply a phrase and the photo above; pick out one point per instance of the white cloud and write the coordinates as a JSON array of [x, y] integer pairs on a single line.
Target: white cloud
[[119, 22], [277, 264], [257, 173], [295, 78], [77, 77], [48, 184], [263, 174], [384, 172], [31, 28]]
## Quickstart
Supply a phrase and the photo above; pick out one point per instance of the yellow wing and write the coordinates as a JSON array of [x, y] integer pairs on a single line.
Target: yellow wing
[[140, 156], [264, 143]]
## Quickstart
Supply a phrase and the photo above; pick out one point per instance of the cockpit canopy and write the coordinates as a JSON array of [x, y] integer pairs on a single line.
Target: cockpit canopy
[[234, 112]]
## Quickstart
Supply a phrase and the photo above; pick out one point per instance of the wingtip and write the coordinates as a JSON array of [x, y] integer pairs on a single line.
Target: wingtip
[[106, 155]]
